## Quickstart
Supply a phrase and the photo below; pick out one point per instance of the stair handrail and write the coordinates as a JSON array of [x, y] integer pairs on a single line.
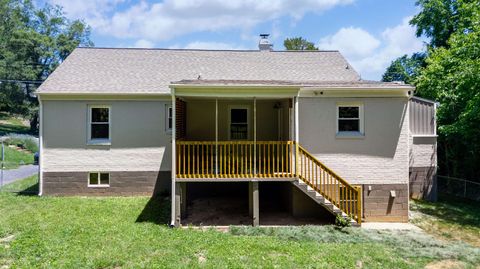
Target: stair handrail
[[354, 214]]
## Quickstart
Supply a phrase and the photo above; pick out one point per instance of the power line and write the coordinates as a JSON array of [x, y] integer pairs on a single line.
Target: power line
[[22, 81]]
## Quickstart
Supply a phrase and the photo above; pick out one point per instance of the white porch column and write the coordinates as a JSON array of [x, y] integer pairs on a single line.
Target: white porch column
[[216, 137], [255, 136], [296, 132], [175, 216]]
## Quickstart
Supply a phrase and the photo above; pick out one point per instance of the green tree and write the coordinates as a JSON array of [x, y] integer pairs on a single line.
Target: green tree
[[33, 42], [439, 19], [405, 68], [298, 43], [452, 77]]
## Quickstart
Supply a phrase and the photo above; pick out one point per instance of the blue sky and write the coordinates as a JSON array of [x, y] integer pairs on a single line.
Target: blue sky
[[369, 33]]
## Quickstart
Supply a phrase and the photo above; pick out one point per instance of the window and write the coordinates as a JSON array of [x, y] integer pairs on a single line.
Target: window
[[238, 123], [350, 119], [99, 124], [97, 179], [168, 118]]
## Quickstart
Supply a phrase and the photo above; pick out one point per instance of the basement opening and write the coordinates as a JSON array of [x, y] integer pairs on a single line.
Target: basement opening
[[217, 204], [282, 203]]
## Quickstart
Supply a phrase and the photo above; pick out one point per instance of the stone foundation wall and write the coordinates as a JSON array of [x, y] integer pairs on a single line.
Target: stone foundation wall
[[380, 206], [122, 183]]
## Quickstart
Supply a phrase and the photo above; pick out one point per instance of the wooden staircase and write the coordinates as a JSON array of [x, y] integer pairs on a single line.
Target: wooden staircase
[[319, 199], [327, 188]]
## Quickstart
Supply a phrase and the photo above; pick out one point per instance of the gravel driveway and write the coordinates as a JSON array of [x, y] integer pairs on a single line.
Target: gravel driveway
[[23, 171]]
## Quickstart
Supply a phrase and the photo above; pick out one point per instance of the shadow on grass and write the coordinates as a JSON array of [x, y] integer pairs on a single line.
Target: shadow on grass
[[25, 187], [452, 210], [29, 191], [10, 128], [157, 210]]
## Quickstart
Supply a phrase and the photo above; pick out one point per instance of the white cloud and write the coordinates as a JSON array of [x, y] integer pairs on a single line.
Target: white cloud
[[170, 18], [371, 55], [364, 43], [143, 43], [92, 11]]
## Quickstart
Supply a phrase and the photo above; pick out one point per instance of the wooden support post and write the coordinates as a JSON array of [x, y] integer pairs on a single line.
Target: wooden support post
[[255, 203], [177, 203], [183, 199], [250, 199]]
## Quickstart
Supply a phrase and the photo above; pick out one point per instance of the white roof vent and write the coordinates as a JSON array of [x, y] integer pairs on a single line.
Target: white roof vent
[[264, 44]]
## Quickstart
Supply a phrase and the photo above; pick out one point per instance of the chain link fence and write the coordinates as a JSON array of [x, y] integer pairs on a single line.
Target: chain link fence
[[459, 187]]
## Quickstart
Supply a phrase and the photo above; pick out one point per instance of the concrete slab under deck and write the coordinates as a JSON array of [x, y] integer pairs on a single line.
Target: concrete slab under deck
[[218, 211]]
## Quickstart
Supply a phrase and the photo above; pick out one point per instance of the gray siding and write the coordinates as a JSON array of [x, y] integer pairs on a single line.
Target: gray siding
[[422, 117]]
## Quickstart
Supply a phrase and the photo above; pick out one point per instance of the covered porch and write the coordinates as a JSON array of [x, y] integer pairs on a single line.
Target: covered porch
[[234, 139]]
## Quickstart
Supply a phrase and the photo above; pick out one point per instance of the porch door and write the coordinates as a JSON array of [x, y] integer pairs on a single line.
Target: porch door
[[238, 123]]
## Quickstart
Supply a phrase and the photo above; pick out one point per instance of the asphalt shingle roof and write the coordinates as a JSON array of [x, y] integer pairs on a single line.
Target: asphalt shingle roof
[[111, 70]]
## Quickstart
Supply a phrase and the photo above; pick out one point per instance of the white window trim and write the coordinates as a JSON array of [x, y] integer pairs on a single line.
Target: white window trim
[[98, 185], [97, 141], [361, 115], [167, 108], [247, 107]]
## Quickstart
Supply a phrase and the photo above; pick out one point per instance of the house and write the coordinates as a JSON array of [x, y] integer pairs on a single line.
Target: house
[[300, 125]]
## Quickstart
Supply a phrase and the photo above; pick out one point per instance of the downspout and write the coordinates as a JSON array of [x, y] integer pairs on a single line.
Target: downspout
[[173, 195], [40, 144]]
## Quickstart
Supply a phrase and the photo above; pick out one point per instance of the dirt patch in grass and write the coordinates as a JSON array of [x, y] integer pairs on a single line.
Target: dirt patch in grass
[[449, 219], [7, 239], [446, 264]]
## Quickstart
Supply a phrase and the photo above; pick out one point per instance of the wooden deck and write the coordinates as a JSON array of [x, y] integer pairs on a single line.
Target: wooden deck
[[241, 161]]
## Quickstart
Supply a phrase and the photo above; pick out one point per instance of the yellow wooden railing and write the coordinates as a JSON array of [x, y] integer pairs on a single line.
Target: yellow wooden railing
[[338, 191], [235, 159]]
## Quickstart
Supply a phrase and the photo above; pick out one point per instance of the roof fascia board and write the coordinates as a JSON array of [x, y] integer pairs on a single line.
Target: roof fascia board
[[104, 96], [425, 100], [235, 91], [356, 92]]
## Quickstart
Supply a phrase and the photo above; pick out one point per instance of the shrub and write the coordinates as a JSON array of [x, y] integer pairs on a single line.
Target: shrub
[[342, 222]]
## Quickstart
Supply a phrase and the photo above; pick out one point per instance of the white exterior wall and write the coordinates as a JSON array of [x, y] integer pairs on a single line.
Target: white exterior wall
[[139, 141], [380, 157], [423, 151]]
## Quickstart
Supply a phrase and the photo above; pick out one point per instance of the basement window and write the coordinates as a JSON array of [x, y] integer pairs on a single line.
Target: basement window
[[98, 179], [349, 120], [99, 124]]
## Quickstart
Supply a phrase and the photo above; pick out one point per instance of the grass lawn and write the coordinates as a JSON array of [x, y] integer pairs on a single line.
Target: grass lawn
[[9, 124], [14, 158], [126, 232], [449, 219]]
